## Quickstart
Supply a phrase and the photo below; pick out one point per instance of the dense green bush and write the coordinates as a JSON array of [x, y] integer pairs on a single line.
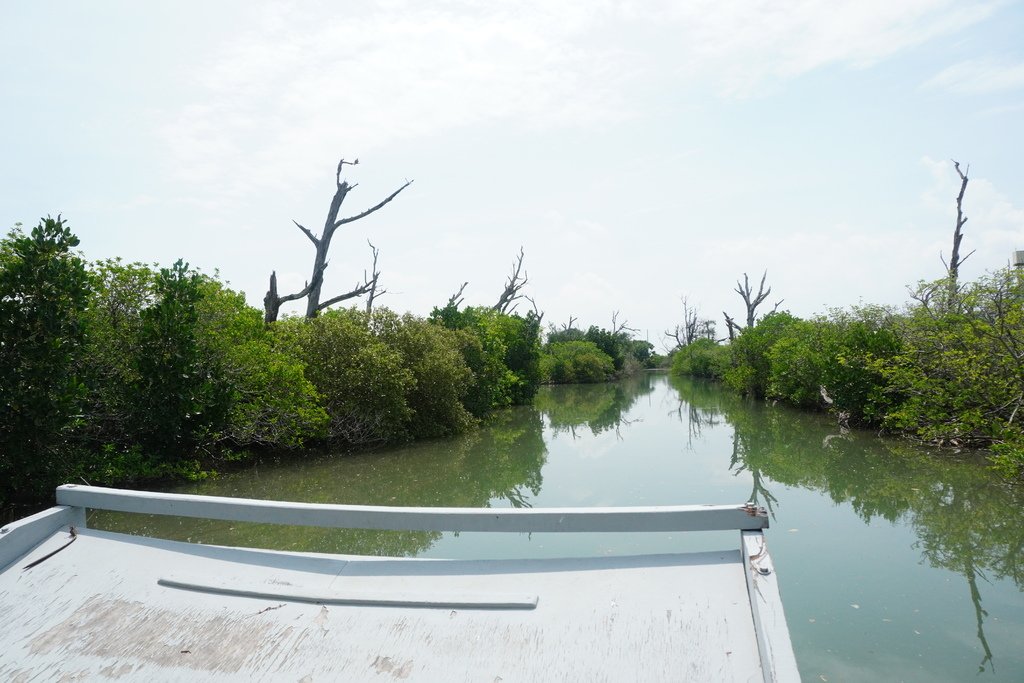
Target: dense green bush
[[508, 373], [702, 358], [44, 289], [440, 376], [180, 397], [362, 382], [751, 364], [628, 355], [959, 378], [271, 402], [571, 362]]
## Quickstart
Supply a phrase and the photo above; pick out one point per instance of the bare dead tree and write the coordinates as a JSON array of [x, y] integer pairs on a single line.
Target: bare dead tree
[[623, 327], [312, 291], [516, 281], [686, 333], [732, 326], [374, 293], [751, 300], [456, 298], [953, 267], [569, 325], [539, 314]]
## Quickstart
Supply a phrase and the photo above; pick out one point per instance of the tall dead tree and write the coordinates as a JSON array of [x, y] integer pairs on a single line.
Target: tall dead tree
[[516, 281], [685, 334], [953, 267], [751, 300], [456, 298], [733, 328], [312, 291], [374, 292], [618, 327]]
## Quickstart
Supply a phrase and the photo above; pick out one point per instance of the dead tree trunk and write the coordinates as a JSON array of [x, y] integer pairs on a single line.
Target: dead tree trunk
[[953, 268], [751, 300], [685, 334], [515, 282], [618, 327], [374, 293], [313, 289], [456, 298], [731, 326]]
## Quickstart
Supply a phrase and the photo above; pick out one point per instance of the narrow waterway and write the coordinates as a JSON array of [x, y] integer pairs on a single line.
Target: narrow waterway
[[895, 564]]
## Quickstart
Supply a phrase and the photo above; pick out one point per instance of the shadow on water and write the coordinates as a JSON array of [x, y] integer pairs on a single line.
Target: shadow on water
[[498, 464], [966, 519]]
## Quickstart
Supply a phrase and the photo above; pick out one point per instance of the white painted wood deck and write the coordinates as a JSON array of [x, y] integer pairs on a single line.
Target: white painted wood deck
[[110, 606]]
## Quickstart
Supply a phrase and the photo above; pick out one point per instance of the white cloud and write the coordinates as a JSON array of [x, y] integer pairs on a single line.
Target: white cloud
[[978, 76], [281, 98]]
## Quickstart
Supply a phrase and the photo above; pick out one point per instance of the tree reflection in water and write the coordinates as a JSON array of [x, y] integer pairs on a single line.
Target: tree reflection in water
[[502, 461], [966, 519], [598, 407]]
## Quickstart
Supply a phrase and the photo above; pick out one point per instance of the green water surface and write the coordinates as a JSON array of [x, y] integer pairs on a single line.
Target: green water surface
[[895, 563]]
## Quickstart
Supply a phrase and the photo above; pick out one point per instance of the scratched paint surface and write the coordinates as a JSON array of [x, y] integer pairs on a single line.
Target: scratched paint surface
[[95, 610], [893, 564]]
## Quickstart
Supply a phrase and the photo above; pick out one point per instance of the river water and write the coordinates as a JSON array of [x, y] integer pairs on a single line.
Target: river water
[[895, 564]]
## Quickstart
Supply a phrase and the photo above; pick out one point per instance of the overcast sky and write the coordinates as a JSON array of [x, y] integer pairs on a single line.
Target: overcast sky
[[638, 151]]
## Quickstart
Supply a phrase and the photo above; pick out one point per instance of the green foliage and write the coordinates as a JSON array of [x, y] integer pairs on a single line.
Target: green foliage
[[751, 364], [361, 380], [643, 352], [959, 379], [855, 343], [181, 399], [440, 376], [44, 288], [702, 358], [575, 362], [272, 403], [614, 345], [108, 364], [509, 371], [628, 355]]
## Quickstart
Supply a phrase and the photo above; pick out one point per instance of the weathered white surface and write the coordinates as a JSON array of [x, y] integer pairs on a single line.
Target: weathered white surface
[[523, 520], [95, 611], [18, 538], [773, 640]]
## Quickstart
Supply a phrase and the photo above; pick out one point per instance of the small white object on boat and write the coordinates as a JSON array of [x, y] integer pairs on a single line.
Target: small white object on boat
[[94, 605]]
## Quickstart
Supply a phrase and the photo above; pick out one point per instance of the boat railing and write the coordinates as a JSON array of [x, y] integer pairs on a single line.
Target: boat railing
[[522, 520]]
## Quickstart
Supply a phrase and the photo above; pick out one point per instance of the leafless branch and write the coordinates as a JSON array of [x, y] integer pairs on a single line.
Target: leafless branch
[[366, 213], [731, 325], [374, 293], [312, 292], [516, 281], [953, 268], [624, 327], [456, 298], [358, 290], [536, 311], [751, 300]]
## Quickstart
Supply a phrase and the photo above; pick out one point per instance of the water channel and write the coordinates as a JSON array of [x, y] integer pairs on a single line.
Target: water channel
[[895, 564]]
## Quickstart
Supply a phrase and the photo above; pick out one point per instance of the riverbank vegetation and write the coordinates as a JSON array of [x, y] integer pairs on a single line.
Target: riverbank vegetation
[[573, 356], [947, 369], [118, 372]]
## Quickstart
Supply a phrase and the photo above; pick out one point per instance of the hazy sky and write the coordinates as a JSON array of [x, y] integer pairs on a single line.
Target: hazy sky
[[638, 151]]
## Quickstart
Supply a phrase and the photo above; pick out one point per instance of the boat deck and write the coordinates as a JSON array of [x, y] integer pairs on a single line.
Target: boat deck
[[133, 608]]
